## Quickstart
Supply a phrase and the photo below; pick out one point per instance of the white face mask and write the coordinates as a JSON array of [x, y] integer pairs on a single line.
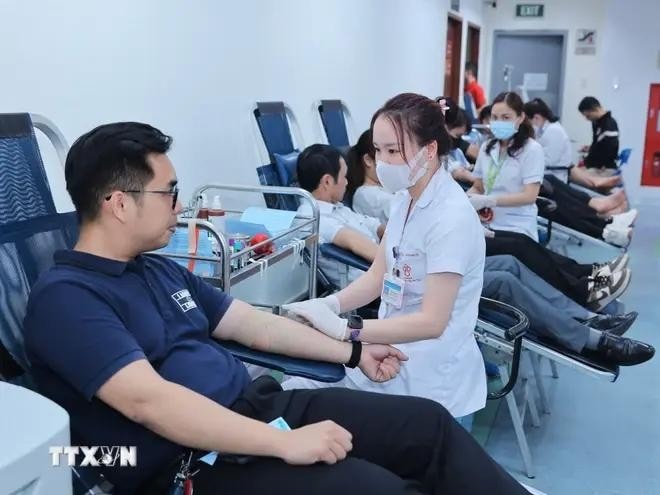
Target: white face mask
[[397, 177]]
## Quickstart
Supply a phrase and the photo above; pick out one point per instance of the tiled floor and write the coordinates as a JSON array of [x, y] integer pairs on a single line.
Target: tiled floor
[[600, 438]]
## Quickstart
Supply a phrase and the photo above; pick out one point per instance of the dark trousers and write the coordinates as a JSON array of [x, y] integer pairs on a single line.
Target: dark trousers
[[401, 445], [564, 274], [573, 208]]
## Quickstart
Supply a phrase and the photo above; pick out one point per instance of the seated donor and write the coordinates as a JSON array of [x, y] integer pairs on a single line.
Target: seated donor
[[427, 270], [138, 360], [598, 217], [509, 169], [321, 170], [604, 150], [554, 316], [463, 153], [589, 285]]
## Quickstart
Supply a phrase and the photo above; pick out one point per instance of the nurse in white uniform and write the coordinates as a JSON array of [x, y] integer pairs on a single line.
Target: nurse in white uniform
[[428, 270], [552, 137], [509, 169]]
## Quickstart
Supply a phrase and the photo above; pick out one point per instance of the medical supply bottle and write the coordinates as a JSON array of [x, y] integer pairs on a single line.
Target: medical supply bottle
[[216, 215], [203, 211]]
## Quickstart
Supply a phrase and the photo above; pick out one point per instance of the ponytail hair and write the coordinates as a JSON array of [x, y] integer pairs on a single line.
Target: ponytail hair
[[356, 173], [419, 117], [538, 107]]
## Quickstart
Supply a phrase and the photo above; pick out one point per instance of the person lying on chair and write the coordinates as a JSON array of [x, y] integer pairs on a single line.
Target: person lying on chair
[[607, 217], [321, 170], [130, 345]]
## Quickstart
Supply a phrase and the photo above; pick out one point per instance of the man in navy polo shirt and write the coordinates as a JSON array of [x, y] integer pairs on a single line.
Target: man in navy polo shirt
[[127, 344]]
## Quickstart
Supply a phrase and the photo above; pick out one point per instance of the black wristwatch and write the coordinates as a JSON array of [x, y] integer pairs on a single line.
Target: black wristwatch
[[356, 354], [355, 324]]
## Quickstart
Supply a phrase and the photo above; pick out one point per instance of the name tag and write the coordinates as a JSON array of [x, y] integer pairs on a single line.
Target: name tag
[[392, 291]]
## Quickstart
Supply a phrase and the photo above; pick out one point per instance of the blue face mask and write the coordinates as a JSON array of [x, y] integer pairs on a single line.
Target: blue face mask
[[502, 129]]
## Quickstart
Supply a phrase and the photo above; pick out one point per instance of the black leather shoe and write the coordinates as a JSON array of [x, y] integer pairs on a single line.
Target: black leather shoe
[[614, 324], [623, 351]]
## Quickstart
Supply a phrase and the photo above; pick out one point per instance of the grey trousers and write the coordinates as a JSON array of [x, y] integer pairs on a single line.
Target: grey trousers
[[551, 313]]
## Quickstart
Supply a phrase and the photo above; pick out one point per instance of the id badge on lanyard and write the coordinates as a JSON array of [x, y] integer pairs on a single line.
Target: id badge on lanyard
[[493, 173], [393, 285]]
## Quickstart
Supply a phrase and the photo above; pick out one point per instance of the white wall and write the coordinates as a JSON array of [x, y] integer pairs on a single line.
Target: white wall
[[631, 49], [195, 68], [581, 77]]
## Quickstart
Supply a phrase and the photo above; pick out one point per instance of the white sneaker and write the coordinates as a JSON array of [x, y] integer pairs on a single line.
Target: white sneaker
[[605, 289], [619, 236], [623, 220], [608, 268]]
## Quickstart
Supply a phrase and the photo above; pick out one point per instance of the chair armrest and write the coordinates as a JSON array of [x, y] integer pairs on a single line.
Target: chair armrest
[[512, 321], [315, 370], [344, 256], [513, 324], [546, 205]]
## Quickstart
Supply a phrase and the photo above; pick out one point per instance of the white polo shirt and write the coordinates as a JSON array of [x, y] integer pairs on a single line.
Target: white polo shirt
[[443, 234], [526, 167], [556, 148], [333, 218], [373, 201]]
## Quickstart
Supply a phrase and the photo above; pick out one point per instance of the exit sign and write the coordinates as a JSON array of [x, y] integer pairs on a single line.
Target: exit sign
[[529, 10]]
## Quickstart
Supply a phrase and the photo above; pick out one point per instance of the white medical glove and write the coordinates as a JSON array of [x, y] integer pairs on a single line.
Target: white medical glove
[[480, 201], [319, 314], [331, 301]]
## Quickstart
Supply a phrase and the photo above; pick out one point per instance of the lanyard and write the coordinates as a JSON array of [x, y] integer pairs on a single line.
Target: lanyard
[[396, 250], [493, 173]]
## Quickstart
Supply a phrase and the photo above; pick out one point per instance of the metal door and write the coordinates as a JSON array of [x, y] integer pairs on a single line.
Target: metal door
[[530, 63]]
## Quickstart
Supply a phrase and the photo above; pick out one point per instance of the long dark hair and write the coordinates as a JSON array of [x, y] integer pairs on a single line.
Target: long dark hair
[[356, 173], [538, 107], [525, 129], [419, 116]]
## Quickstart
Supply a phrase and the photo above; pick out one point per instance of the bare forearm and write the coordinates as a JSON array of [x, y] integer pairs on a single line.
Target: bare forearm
[[516, 199], [408, 328], [270, 333], [188, 418], [360, 292], [463, 174], [477, 187]]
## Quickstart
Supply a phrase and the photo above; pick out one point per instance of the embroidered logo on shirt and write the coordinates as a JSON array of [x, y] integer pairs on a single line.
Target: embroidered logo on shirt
[[184, 300]]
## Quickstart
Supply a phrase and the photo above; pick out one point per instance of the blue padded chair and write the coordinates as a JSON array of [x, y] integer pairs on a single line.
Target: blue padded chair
[[25, 191], [334, 123], [285, 166], [624, 157], [273, 124]]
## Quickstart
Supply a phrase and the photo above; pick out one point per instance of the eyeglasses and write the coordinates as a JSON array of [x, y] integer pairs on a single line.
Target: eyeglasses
[[174, 192]]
